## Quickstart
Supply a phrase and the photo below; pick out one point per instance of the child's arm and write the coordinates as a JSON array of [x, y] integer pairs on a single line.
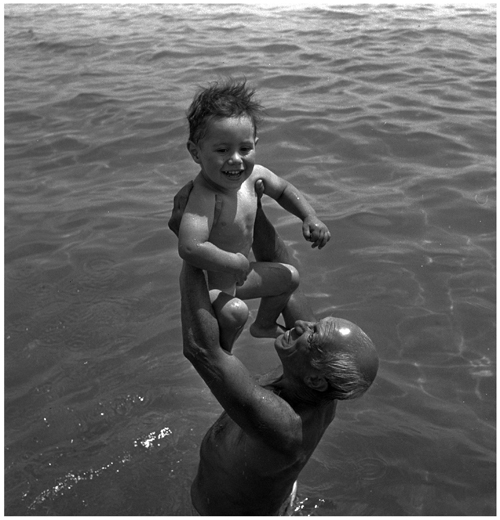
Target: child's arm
[[292, 200], [194, 246]]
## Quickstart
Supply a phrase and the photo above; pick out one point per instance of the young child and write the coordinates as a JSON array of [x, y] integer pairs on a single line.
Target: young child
[[216, 230]]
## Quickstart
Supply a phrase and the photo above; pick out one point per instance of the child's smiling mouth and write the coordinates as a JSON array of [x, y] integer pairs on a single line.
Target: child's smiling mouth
[[233, 173]]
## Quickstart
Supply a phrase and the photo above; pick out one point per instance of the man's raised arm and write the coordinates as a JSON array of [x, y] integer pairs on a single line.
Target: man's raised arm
[[253, 408], [200, 330]]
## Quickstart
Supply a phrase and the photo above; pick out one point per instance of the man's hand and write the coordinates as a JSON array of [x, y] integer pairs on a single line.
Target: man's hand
[[259, 191], [180, 201], [316, 232]]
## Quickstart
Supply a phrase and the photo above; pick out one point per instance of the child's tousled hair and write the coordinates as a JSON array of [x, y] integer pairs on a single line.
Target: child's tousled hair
[[225, 98]]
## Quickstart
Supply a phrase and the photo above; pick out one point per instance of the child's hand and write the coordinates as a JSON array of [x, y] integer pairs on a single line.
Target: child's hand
[[316, 232], [242, 270]]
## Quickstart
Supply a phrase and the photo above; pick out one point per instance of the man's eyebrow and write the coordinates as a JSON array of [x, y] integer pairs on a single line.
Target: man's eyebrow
[[315, 335], [321, 333]]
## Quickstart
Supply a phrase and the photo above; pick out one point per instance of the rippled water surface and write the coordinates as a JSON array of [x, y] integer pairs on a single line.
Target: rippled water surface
[[384, 116]]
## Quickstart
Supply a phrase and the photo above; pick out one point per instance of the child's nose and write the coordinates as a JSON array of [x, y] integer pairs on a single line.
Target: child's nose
[[235, 158]]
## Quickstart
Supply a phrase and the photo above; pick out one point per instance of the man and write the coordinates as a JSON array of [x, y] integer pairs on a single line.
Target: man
[[251, 457]]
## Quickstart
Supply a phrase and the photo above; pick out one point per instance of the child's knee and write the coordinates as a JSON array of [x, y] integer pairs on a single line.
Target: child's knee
[[294, 278], [234, 313]]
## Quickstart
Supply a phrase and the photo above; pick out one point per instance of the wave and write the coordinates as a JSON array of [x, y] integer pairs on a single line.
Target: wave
[[87, 100], [62, 47]]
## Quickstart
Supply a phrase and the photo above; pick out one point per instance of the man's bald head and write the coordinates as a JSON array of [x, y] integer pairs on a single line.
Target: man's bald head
[[346, 358]]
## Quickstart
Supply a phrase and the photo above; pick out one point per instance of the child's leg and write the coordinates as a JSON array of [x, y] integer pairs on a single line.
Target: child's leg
[[274, 283], [231, 314], [268, 246]]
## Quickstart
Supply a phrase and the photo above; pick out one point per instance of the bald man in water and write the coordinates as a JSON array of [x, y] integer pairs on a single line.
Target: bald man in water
[[251, 457]]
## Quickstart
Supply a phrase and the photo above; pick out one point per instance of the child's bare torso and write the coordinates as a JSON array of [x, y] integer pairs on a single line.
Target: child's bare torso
[[232, 227]]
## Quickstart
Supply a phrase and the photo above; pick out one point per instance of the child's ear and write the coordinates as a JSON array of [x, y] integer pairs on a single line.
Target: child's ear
[[255, 141], [193, 150]]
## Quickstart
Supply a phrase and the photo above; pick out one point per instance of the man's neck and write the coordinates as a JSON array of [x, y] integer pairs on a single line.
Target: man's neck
[[298, 396]]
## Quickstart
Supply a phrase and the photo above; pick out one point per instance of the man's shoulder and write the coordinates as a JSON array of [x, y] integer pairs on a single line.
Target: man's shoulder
[[269, 377]]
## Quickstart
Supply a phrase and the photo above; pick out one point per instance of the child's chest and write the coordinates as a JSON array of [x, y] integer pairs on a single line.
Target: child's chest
[[234, 218]]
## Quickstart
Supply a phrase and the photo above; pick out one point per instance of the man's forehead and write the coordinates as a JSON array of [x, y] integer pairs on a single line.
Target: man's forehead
[[337, 323], [332, 328]]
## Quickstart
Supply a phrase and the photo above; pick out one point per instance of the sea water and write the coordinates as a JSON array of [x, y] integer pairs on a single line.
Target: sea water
[[382, 115]]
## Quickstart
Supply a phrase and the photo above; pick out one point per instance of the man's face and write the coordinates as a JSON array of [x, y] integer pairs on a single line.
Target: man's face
[[227, 152], [308, 340], [298, 345]]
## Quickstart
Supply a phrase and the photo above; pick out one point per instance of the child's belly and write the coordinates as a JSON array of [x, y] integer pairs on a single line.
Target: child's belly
[[233, 240], [222, 281]]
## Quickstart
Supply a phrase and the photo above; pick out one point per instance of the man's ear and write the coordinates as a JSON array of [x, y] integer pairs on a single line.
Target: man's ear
[[194, 151], [316, 383]]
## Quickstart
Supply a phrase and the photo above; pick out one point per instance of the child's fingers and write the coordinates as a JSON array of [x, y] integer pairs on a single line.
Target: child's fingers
[[322, 241], [306, 232], [320, 238], [317, 233]]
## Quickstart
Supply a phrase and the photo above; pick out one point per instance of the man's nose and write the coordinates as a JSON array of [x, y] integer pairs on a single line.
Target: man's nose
[[302, 326]]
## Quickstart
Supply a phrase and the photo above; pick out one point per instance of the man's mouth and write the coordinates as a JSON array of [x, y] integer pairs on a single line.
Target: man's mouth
[[285, 339]]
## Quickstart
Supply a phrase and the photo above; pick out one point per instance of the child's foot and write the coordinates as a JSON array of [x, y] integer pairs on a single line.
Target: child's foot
[[266, 332]]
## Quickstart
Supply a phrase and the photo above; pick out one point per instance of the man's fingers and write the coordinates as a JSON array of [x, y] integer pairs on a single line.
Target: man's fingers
[[218, 207], [180, 201], [182, 196], [259, 188]]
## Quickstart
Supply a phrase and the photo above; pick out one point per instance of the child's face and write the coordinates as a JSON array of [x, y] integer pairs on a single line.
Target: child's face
[[227, 152]]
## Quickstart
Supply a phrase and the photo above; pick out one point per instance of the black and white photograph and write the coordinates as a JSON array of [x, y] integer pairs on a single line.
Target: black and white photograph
[[250, 259]]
